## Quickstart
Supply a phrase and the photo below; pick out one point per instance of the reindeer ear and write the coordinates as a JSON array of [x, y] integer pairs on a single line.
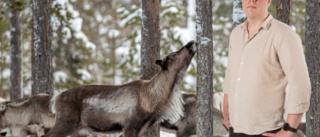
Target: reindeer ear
[[158, 62], [162, 64], [2, 107]]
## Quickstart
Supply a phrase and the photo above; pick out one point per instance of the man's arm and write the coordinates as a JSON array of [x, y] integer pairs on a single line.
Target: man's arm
[[292, 60], [226, 111], [293, 120]]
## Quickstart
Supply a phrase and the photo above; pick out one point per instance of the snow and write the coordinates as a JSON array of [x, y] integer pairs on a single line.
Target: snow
[[123, 50], [7, 34], [76, 24], [67, 35], [60, 76], [88, 44], [98, 16], [238, 13], [121, 9], [293, 28], [36, 37], [113, 33], [86, 6], [166, 134], [183, 33], [199, 28], [85, 75], [204, 40], [190, 79], [6, 73], [162, 134], [169, 10], [131, 16], [2, 100]]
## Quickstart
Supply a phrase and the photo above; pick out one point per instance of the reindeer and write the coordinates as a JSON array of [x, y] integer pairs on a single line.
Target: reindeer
[[130, 108], [30, 116], [186, 126], [34, 130]]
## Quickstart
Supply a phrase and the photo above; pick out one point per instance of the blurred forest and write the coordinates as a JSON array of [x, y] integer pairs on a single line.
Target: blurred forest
[[98, 42]]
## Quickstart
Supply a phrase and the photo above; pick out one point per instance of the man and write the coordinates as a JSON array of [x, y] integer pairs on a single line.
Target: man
[[265, 56]]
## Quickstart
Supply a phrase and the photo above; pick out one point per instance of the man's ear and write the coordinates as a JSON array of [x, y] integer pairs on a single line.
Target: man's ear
[[158, 62]]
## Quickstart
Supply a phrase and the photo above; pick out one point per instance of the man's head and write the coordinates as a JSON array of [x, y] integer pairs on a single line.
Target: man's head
[[256, 9]]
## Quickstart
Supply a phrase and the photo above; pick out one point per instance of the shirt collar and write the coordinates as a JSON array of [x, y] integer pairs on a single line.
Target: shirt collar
[[265, 25]]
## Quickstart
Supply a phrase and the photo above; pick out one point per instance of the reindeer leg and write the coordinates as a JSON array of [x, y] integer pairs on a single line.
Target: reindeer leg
[[63, 127], [134, 127], [66, 122], [138, 127], [186, 131], [131, 131]]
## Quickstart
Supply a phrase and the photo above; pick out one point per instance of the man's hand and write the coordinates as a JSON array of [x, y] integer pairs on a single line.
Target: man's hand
[[226, 121], [226, 111], [293, 120], [281, 133]]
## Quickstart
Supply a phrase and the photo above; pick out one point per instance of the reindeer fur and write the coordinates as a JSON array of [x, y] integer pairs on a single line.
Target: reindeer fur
[[19, 117], [186, 126]]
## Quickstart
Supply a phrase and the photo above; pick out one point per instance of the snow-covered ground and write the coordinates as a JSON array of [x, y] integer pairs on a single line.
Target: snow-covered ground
[[162, 134], [166, 134]]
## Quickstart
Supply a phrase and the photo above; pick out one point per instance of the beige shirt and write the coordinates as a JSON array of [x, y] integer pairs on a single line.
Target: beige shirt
[[259, 69]]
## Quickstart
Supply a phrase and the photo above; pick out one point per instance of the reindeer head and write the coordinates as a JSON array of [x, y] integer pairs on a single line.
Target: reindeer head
[[179, 60]]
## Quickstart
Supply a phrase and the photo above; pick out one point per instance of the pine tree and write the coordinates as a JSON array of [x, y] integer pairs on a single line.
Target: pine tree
[[204, 68], [41, 49], [15, 50], [150, 47], [283, 10], [313, 62]]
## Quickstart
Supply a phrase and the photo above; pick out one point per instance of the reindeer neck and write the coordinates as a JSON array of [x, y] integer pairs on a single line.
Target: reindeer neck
[[163, 79], [167, 80], [165, 86]]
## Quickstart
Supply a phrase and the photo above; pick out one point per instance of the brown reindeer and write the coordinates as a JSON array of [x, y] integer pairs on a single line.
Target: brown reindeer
[[186, 126], [131, 107], [30, 116]]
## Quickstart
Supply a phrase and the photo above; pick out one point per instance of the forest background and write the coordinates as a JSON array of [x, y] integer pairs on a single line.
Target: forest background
[[98, 42]]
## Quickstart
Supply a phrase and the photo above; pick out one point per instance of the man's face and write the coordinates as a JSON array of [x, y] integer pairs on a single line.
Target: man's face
[[255, 8]]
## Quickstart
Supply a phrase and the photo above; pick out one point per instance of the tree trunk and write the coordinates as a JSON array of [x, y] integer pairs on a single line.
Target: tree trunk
[[150, 47], [238, 14], [283, 10], [41, 49], [204, 68], [15, 53], [313, 62]]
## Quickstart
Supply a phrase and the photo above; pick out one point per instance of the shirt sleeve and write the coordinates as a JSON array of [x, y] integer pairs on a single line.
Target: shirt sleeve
[[225, 85], [293, 63]]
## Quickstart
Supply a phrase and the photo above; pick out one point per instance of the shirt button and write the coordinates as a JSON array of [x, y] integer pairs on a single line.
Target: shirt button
[[238, 79], [241, 63]]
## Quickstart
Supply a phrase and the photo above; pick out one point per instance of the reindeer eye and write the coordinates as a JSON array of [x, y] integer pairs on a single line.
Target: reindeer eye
[[172, 55]]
